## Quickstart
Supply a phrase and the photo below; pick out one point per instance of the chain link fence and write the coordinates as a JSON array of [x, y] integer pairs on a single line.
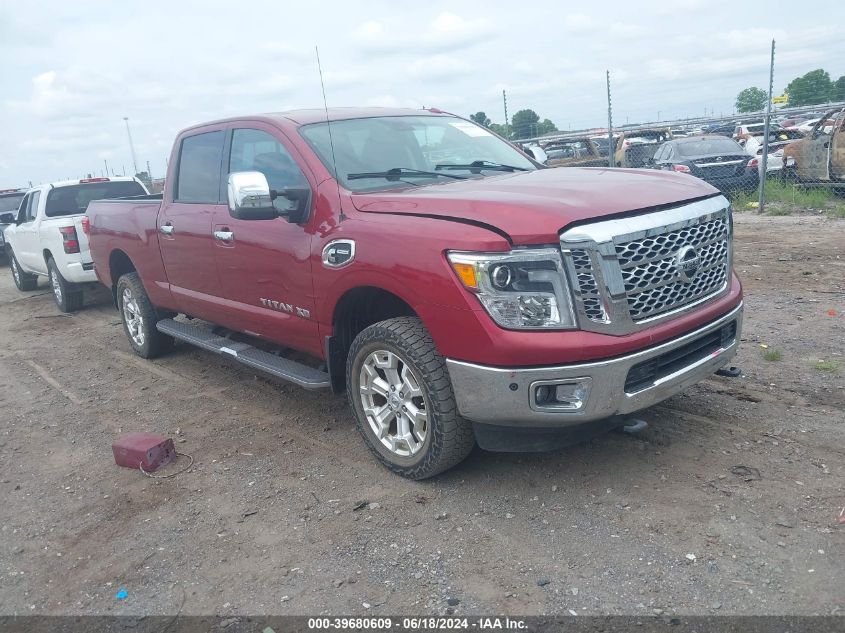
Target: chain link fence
[[774, 160]]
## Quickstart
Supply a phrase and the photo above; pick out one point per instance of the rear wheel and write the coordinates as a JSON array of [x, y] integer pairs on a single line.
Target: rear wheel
[[401, 394], [139, 318], [68, 295], [23, 280]]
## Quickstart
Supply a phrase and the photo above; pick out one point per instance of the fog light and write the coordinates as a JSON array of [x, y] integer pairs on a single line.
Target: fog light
[[562, 395]]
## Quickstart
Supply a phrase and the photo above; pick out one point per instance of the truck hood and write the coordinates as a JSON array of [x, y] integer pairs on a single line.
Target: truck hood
[[532, 207]]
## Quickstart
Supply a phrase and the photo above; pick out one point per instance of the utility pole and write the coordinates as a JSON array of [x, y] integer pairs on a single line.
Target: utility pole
[[106, 163], [610, 149], [505, 103], [131, 145], [149, 174], [761, 200]]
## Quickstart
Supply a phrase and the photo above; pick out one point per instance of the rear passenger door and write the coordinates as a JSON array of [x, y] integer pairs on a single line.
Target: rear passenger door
[[184, 223], [264, 265]]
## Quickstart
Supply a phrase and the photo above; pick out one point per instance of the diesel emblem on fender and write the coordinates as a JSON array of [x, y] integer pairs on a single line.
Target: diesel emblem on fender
[[339, 253]]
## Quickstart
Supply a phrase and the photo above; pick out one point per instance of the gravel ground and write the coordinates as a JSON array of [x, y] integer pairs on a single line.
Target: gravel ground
[[727, 503]]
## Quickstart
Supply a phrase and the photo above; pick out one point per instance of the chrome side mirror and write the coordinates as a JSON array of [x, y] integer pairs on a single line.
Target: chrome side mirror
[[249, 196]]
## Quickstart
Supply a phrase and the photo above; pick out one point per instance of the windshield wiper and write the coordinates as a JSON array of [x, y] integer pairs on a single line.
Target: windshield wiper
[[398, 173], [480, 165]]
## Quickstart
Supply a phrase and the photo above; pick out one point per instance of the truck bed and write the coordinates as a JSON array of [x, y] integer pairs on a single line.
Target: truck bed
[[124, 229]]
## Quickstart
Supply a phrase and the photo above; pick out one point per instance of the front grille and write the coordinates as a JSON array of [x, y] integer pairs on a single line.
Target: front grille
[[643, 375], [625, 272], [588, 287], [650, 271]]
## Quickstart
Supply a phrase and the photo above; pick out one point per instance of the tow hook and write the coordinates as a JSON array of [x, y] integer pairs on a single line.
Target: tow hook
[[730, 372], [634, 425]]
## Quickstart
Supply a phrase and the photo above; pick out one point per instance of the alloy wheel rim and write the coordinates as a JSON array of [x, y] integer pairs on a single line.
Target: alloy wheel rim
[[57, 287], [393, 402], [132, 317]]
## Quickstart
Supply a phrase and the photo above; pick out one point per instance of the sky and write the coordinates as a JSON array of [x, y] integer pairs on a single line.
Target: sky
[[71, 71]]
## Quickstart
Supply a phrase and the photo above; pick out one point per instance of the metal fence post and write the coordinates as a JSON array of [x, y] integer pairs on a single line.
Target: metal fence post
[[610, 149], [764, 165]]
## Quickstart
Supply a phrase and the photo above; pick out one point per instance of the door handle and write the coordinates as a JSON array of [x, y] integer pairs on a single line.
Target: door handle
[[224, 236], [166, 229]]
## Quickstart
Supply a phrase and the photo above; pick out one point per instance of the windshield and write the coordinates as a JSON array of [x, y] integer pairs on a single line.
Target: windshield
[[74, 199], [708, 146], [10, 203], [378, 144]]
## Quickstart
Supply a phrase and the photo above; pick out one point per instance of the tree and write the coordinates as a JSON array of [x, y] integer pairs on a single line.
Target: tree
[[524, 124], [814, 87], [838, 91], [144, 177], [499, 129], [547, 127], [480, 118], [751, 100]]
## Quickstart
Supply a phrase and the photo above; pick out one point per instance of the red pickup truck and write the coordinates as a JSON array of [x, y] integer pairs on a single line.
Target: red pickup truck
[[456, 290]]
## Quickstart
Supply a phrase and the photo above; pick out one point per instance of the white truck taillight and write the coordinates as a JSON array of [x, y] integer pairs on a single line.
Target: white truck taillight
[[70, 240]]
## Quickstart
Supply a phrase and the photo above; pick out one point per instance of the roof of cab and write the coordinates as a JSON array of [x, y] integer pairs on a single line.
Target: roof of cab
[[307, 116]]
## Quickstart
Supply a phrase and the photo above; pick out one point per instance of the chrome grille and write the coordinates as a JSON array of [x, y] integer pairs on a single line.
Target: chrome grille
[[625, 272], [588, 287], [650, 272]]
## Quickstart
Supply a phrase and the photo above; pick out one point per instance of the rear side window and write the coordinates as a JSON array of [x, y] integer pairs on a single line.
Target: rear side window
[[198, 178], [74, 199]]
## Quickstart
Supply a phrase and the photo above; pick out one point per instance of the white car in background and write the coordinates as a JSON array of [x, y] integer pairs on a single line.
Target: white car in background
[[48, 240]]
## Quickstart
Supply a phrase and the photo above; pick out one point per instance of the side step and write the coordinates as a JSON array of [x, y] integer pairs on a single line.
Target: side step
[[290, 370]]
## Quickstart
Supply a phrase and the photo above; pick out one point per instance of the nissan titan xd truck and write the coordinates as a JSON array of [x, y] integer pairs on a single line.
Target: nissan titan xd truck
[[456, 290]]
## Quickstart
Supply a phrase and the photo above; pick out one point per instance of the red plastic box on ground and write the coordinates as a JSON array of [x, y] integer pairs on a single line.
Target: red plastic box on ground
[[143, 450]]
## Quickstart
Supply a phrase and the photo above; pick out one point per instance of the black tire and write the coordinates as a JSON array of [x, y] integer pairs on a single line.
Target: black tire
[[449, 438], [151, 343], [24, 281], [67, 295]]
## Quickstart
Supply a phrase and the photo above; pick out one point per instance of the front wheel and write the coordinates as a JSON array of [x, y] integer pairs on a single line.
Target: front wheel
[[23, 280], [399, 389], [139, 318], [68, 297]]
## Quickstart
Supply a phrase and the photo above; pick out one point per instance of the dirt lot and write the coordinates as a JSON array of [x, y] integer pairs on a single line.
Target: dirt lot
[[265, 521]]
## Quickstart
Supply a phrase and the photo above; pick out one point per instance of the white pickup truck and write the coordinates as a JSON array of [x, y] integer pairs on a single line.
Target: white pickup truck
[[48, 237]]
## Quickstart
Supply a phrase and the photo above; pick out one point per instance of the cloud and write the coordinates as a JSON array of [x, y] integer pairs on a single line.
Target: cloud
[[446, 32], [439, 67]]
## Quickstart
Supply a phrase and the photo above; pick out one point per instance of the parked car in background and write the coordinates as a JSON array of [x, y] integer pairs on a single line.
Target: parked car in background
[[725, 129], [717, 160], [48, 237], [478, 298], [574, 152], [635, 148], [820, 156], [536, 152], [778, 139], [10, 200], [602, 143], [747, 129]]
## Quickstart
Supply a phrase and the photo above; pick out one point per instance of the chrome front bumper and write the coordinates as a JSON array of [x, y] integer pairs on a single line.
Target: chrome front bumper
[[503, 396]]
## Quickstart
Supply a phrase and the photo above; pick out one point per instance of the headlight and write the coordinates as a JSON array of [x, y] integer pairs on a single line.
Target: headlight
[[524, 289]]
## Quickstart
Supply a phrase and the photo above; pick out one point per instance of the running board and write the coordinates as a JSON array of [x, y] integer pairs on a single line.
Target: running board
[[290, 370]]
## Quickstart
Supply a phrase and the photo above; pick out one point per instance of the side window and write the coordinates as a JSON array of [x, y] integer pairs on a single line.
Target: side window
[[256, 150], [23, 208], [198, 179], [32, 208]]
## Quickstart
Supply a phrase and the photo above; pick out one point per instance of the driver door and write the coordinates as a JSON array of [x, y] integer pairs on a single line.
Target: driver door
[[264, 266]]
